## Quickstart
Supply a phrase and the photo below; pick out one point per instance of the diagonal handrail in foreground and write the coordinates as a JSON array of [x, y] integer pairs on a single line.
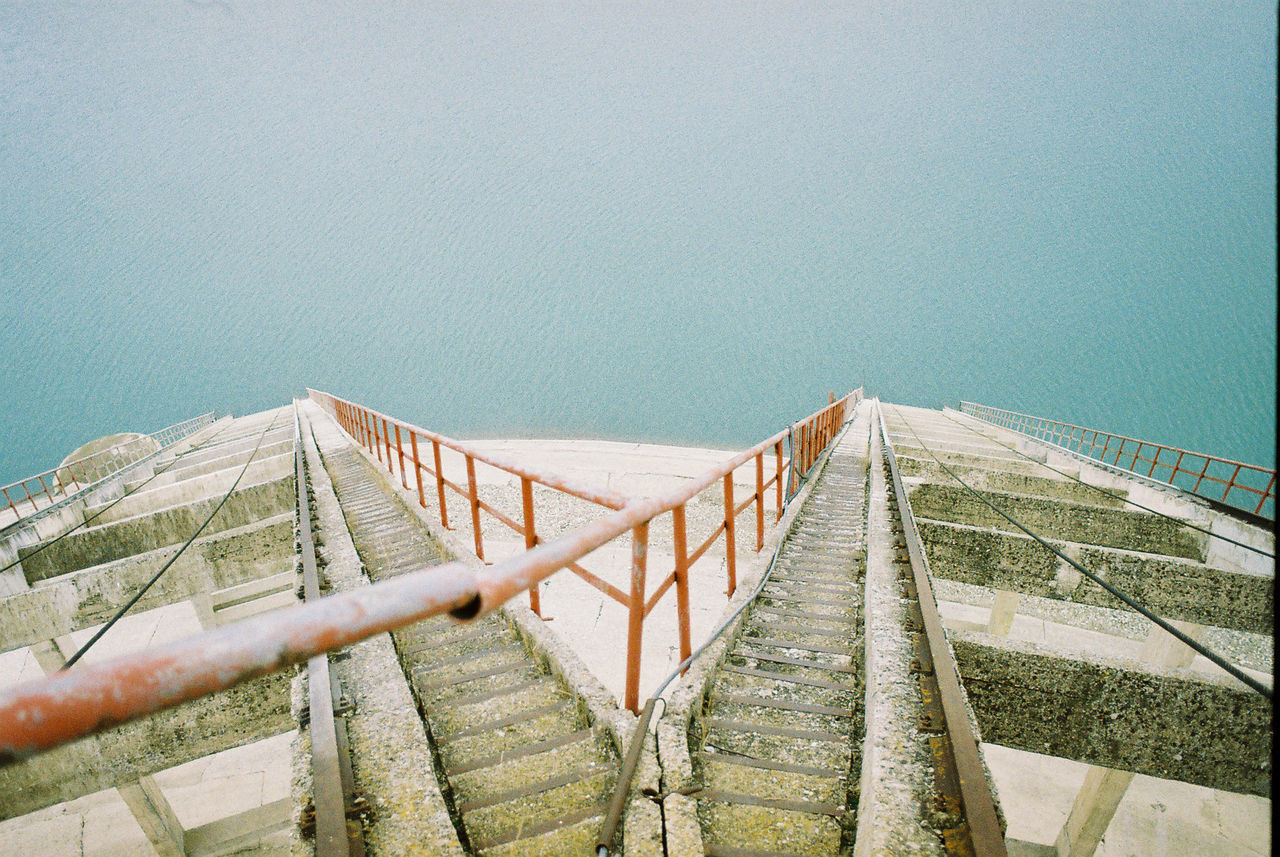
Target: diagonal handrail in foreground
[[1197, 473], [48, 712]]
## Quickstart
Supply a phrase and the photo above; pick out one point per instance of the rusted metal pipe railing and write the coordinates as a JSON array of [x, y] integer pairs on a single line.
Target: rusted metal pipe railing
[[807, 438], [1241, 484], [43, 714]]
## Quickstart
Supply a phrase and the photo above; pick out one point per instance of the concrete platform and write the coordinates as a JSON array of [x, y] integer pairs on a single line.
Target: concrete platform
[[1036, 791]]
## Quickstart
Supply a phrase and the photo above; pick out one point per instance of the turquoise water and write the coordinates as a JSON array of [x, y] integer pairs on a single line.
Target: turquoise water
[[665, 221]]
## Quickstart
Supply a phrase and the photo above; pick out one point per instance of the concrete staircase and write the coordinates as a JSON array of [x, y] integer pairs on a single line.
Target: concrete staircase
[[153, 516], [777, 746], [127, 790], [1056, 666], [521, 769], [470, 734]]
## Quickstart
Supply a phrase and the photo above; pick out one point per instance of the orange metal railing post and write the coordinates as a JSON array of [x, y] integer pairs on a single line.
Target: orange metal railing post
[[530, 537], [635, 617], [1265, 494], [778, 479], [404, 480], [475, 506], [791, 444], [1231, 483], [386, 440], [417, 467], [1203, 471], [444, 508], [759, 501], [375, 445], [730, 539], [679, 539]]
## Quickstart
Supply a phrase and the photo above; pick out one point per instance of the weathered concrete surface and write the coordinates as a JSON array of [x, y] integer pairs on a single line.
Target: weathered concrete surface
[[248, 712], [29, 529], [1005, 481], [897, 770], [90, 596], [241, 437], [1117, 713], [184, 469], [907, 446], [1150, 493], [1095, 525], [556, 653], [98, 545], [1174, 588], [198, 487], [126, 448], [391, 757], [670, 770]]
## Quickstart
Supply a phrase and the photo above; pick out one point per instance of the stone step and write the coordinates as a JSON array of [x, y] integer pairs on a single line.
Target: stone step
[[730, 823], [779, 742], [183, 470], [240, 443], [1043, 483], [1058, 519], [101, 544], [1172, 587], [526, 774]]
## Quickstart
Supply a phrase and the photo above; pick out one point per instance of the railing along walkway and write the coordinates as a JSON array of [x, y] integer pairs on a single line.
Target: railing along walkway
[[510, 740], [43, 714], [1242, 486], [451, 465], [42, 492]]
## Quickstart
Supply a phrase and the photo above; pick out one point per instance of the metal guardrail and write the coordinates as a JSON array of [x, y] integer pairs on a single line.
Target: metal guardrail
[[48, 712], [1194, 472], [387, 438], [71, 477]]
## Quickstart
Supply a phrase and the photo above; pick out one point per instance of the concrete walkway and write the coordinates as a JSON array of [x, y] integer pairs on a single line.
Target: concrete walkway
[[1155, 816]]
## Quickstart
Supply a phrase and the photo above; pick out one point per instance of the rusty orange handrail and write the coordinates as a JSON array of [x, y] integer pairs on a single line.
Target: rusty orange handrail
[[1128, 455], [45, 713], [375, 431]]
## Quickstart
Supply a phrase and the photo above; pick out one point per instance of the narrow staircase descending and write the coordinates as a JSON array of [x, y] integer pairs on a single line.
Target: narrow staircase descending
[[523, 771], [777, 745]]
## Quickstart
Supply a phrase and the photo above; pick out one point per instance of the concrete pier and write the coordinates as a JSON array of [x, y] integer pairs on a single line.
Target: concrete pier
[[1101, 736]]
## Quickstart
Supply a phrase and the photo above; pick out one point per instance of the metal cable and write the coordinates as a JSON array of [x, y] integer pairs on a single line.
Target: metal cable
[[143, 591], [1213, 656], [1114, 494], [135, 489]]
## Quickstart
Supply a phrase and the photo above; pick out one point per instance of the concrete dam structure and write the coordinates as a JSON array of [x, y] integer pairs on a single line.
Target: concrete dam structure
[[885, 630]]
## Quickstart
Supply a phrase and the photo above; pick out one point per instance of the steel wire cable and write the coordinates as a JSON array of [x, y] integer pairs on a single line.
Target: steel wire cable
[[1114, 494], [143, 591], [1199, 648], [129, 492]]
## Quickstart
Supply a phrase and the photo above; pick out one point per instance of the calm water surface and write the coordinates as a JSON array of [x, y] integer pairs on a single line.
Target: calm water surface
[[665, 221]]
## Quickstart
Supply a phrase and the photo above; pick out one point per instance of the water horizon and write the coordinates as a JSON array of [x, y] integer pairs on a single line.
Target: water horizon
[[636, 221]]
